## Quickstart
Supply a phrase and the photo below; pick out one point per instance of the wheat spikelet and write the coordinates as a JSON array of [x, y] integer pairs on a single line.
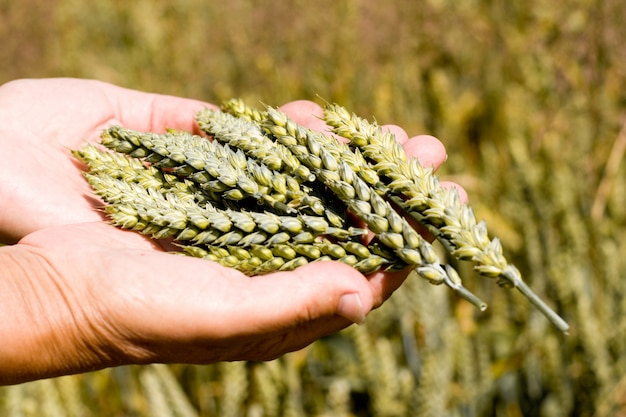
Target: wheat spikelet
[[179, 403], [259, 259], [121, 167], [250, 138], [51, 404], [14, 400], [431, 395], [465, 368], [212, 166], [70, 392], [362, 340], [386, 391], [238, 108], [338, 398]]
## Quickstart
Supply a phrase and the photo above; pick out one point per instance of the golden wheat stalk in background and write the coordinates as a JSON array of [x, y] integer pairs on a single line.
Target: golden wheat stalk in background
[[268, 194]]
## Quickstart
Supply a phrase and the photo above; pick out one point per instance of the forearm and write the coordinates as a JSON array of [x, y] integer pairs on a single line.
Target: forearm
[[41, 335]]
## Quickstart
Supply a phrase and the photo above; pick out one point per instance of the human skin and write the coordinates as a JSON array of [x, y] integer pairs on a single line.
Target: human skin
[[77, 294]]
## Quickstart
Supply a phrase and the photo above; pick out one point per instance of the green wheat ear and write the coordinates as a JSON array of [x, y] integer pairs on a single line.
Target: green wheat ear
[[270, 195], [417, 190]]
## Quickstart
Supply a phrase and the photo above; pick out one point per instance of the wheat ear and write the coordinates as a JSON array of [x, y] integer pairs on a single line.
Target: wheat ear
[[418, 191]]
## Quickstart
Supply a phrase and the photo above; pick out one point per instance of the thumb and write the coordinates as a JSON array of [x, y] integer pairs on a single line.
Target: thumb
[[258, 318], [323, 289]]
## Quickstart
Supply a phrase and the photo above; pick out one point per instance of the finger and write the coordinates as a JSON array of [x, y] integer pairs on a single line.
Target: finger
[[307, 114], [428, 150], [237, 317], [154, 112], [384, 284], [315, 291], [463, 196], [312, 302], [398, 132]]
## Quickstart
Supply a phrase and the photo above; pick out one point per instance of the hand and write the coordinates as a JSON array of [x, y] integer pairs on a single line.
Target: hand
[[77, 294], [42, 121]]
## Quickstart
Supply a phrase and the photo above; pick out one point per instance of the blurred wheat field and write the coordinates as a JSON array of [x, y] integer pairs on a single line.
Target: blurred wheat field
[[529, 99]]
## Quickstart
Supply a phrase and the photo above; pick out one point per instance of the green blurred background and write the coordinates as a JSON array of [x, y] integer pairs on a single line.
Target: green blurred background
[[529, 98]]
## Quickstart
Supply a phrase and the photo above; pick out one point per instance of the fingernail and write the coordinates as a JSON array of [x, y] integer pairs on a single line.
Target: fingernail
[[350, 307]]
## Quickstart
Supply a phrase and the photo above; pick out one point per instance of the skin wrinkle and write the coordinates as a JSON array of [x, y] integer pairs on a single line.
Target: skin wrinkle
[[102, 336], [300, 285], [140, 342], [80, 314], [86, 326], [22, 301], [252, 349], [264, 351], [51, 332], [126, 344]]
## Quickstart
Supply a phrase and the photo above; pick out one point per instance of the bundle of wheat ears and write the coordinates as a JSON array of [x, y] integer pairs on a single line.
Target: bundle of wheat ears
[[267, 194]]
